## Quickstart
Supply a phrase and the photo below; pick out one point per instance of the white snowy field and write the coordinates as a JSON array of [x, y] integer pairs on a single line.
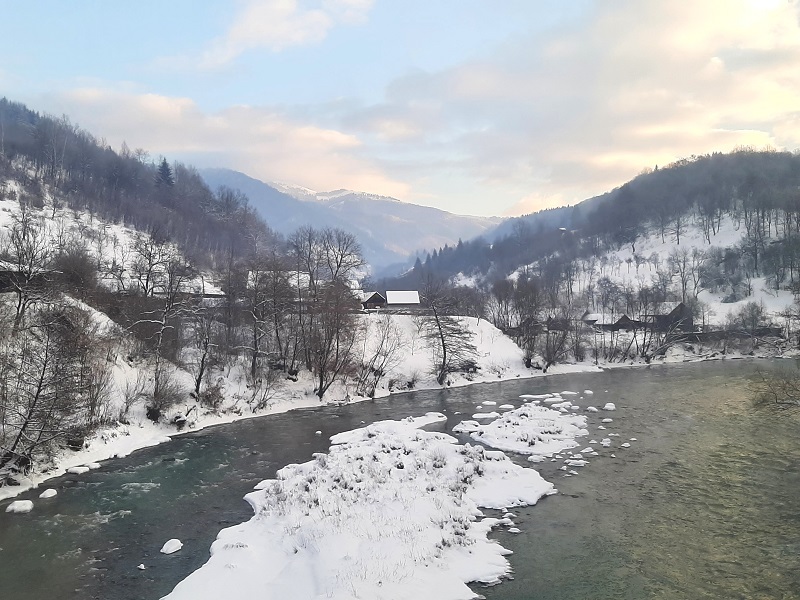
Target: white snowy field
[[391, 512]]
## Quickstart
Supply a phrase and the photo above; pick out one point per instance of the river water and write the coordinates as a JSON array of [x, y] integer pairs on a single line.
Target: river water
[[705, 503]]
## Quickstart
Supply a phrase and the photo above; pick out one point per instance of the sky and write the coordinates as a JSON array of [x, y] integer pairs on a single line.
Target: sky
[[475, 107]]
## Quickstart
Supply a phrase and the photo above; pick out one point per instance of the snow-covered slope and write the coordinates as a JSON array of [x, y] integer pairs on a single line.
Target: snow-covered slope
[[632, 266]]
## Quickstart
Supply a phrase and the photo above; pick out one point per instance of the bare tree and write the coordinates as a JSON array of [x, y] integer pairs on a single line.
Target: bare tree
[[151, 253], [779, 388], [679, 260], [333, 336], [381, 358], [27, 251], [326, 262], [53, 382], [450, 342]]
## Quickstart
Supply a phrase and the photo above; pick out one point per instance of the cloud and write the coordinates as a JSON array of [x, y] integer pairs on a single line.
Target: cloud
[[261, 141], [559, 117], [279, 24], [543, 119]]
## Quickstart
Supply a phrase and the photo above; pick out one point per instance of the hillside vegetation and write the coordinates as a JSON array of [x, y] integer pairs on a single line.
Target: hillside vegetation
[[760, 190], [719, 233]]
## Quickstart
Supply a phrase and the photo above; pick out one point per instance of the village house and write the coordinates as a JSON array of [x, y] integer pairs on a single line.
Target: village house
[[670, 316], [372, 300], [402, 300]]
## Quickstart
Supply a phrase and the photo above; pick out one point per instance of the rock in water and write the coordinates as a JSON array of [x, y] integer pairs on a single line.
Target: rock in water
[[171, 546], [20, 506]]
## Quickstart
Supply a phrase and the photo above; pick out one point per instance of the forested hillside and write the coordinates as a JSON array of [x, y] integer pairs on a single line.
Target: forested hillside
[[717, 234], [54, 158], [126, 285], [759, 190]]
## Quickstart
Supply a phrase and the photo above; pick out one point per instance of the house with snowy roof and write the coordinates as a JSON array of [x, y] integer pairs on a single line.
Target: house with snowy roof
[[372, 300], [402, 300]]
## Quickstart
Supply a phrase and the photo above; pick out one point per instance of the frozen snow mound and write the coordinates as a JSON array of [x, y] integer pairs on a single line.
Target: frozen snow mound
[[532, 429], [20, 506], [171, 546], [392, 511], [48, 493]]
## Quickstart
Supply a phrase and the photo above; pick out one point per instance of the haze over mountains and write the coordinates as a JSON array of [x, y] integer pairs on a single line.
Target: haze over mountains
[[389, 230]]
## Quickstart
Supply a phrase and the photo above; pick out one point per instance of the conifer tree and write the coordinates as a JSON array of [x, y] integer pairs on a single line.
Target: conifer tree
[[164, 176]]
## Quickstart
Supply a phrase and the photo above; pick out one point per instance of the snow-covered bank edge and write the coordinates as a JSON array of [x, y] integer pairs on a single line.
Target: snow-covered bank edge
[[122, 440], [499, 359]]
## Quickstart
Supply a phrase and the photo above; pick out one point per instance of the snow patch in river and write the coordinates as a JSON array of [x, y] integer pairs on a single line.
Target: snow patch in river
[[532, 429], [171, 546], [390, 512], [20, 506]]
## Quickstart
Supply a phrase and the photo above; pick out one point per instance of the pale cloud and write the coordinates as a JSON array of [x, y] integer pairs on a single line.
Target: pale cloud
[[261, 141], [629, 85], [278, 24], [541, 120]]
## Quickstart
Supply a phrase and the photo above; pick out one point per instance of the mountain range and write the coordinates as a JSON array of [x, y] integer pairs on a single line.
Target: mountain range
[[391, 232]]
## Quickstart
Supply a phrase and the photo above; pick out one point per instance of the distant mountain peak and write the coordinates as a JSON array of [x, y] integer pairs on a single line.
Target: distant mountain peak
[[298, 192], [305, 194], [390, 231]]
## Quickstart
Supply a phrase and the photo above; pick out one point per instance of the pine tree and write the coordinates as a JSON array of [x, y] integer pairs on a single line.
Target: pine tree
[[164, 175]]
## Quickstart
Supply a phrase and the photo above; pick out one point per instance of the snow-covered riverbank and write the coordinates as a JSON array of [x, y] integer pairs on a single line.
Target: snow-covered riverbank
[[498, 359]]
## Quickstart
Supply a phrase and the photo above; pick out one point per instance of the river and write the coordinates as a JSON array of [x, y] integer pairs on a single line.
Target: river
[[705, 503]]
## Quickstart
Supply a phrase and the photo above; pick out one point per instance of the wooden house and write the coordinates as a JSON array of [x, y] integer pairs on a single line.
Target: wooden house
[[372, 300], [670, 316], [402, 299]]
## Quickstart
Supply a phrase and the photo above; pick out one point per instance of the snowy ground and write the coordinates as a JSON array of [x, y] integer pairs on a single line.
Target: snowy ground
[[498, 357]]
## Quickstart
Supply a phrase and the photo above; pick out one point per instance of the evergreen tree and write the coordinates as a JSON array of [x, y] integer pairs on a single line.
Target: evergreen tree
[[164, 175]]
